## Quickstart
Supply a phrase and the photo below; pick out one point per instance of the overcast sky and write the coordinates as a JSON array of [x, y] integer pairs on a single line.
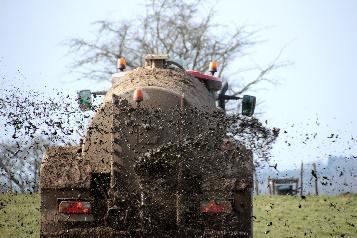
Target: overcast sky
[[316, 93]]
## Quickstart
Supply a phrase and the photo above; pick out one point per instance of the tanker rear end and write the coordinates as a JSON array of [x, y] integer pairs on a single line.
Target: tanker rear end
[[155, 161]]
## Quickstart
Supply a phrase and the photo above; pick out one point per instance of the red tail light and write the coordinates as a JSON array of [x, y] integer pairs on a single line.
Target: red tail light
[[74, 207], [216, 207]]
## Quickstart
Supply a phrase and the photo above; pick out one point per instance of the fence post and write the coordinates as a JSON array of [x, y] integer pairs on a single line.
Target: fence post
[[316, 188], [301, 178], [256, 183]]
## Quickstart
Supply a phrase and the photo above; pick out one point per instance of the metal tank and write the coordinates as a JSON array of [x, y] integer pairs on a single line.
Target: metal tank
[[155, 161]]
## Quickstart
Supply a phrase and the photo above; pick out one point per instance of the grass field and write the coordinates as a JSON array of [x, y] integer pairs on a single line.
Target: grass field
[[322, 216], [276, 216], [19, 216]]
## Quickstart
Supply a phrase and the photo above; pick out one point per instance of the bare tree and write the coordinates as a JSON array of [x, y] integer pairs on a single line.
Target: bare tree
[[19, 164], [12, 165], [185, 30]]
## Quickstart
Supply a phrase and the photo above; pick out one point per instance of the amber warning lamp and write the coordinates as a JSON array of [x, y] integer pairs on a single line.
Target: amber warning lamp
[[213, 65], [121, 65], [138, 95]]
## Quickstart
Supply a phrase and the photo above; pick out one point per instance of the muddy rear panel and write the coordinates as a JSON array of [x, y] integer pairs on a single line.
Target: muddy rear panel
[[161, 164]]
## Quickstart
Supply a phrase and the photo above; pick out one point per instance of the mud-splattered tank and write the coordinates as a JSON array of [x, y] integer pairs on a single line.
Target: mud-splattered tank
[[155, 161]]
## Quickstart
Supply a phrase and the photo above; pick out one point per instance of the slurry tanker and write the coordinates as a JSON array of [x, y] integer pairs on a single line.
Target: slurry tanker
[[156, 161]]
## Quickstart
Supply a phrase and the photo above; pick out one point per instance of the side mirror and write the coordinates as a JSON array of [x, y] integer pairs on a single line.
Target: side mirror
[[248, 105], [85, 100]]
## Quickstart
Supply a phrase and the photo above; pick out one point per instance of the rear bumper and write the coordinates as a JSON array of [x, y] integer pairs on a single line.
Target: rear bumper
[[103, 231]]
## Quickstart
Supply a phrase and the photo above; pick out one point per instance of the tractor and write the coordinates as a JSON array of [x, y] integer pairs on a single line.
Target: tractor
[[156, 160]]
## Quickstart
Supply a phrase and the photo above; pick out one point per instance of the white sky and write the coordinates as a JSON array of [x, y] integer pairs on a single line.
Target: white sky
[[319, 38]]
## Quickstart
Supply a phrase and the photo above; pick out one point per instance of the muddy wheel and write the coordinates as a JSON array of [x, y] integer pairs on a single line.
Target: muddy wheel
[[115, 218]]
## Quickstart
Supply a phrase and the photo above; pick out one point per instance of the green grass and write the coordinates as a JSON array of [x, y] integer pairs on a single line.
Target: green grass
[[276, 216], [315, 216], [19, 216]]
